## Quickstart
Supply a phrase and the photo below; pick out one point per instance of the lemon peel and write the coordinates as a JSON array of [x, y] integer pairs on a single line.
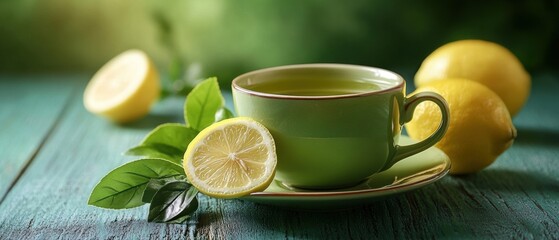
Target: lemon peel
[[482, 61], [480, 127]]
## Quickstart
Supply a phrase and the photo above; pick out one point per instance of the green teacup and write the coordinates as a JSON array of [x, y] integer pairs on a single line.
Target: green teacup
[[334, 125]]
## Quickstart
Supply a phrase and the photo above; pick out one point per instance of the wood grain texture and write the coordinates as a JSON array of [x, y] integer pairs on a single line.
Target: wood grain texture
[[29, 108], [50, 198], [516, 197]]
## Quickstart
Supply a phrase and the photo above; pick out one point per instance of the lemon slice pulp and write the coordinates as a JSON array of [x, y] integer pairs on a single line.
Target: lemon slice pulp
[[124, 89], [231, 158]]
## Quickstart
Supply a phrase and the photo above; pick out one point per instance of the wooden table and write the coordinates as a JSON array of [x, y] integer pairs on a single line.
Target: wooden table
[[52, 153]]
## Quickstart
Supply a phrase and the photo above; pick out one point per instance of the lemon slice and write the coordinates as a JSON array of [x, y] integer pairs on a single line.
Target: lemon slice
[[124, 89], [231, 158]]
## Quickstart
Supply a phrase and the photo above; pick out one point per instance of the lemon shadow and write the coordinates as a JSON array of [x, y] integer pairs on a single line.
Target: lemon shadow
[[509, 180], [537, 136]]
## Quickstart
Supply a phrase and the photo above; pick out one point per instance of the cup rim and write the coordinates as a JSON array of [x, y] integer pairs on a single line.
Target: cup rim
[[235, 83]]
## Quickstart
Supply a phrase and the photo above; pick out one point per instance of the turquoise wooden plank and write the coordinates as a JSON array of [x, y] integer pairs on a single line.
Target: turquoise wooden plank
[[50, 198], [29, 108], [517, 197]]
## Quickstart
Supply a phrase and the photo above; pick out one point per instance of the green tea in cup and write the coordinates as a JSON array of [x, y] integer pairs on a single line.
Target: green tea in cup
[[316, 87], [334, 125]]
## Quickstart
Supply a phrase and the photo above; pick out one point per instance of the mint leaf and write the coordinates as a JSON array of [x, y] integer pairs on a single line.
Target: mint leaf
[[187, 213], [174, 201], [202, 104], [123, 187], [155, 184], [167, 141]]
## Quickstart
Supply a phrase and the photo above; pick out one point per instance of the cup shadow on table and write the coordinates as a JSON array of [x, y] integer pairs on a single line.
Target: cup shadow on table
[[293, 223]]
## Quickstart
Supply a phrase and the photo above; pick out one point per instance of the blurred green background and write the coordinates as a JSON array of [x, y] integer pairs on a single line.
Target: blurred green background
[[221, 38]]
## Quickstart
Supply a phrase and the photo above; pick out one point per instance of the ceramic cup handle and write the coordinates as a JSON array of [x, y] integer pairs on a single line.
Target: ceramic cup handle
[[409, 107]]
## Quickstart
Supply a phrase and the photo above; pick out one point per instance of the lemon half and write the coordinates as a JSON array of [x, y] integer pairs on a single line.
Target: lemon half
[[124, 89], [231, 158]]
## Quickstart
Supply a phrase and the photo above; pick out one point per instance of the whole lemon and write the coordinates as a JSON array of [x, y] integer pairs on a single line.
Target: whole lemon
[[485, 62], [480, 127]]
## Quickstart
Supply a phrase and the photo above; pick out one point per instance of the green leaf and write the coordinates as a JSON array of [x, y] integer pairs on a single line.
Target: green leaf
[[223, 114], [174, 201], [202, 104], [167, 141], [155, 184], [157, 151], [173, 134], [124, 186]]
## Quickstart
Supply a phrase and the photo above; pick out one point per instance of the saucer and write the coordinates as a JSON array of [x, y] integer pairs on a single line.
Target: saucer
[[408, 174]]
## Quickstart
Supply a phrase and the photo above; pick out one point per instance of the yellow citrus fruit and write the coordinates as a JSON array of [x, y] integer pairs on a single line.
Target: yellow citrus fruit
[[485, 62], [124, 89], [231, 158], [480, 126]]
